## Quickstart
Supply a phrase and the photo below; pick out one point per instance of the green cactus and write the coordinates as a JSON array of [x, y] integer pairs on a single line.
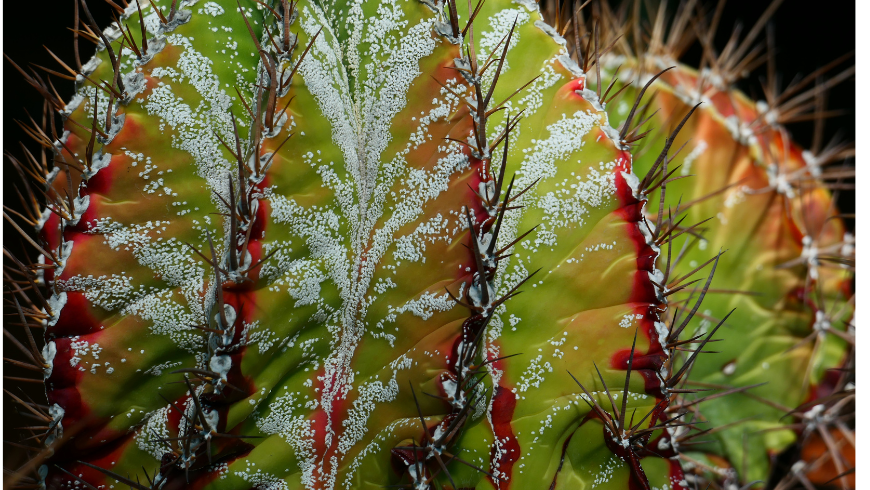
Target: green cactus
[[791, 311], [293, 244], [786, 274]]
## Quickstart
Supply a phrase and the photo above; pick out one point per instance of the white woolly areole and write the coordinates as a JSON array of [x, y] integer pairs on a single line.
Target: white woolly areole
[[49, 351]]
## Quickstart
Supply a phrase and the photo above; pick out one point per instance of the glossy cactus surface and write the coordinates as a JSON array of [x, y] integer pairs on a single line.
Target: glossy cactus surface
[[403, 243], [772, 216], [305, 283], [749, 190]]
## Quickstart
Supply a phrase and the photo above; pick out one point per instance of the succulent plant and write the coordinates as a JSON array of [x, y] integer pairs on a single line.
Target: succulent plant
[[291, 244], [747, 188]]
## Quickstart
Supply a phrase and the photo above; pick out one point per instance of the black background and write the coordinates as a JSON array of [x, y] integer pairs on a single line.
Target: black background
[[809, 34]]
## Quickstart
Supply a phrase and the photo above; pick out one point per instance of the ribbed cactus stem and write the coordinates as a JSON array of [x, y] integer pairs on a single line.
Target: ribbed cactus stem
[[291, 244]]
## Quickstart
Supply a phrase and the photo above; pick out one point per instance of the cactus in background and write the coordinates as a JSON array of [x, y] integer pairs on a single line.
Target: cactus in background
[[292, 244], [758, 195]]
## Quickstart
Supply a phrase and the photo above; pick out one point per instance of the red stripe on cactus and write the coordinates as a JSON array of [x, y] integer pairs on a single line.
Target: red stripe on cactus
[[506, 451], [77, 317]]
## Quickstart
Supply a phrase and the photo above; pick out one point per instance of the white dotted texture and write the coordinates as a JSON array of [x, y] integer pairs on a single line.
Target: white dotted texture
[[373, 216]]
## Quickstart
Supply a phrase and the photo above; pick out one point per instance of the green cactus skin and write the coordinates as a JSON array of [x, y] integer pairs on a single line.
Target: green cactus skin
[[314, 282], [774, 216], [330, 313], [765, 338]]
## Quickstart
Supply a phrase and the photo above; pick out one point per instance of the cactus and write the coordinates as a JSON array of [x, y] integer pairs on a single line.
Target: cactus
[[292, 244], [754, 192]]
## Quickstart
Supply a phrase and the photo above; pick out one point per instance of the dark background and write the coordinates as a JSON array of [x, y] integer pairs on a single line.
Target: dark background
[[809, 34]]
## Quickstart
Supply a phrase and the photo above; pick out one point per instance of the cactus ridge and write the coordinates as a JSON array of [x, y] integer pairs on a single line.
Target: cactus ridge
[[295, 244], [751, 175]]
